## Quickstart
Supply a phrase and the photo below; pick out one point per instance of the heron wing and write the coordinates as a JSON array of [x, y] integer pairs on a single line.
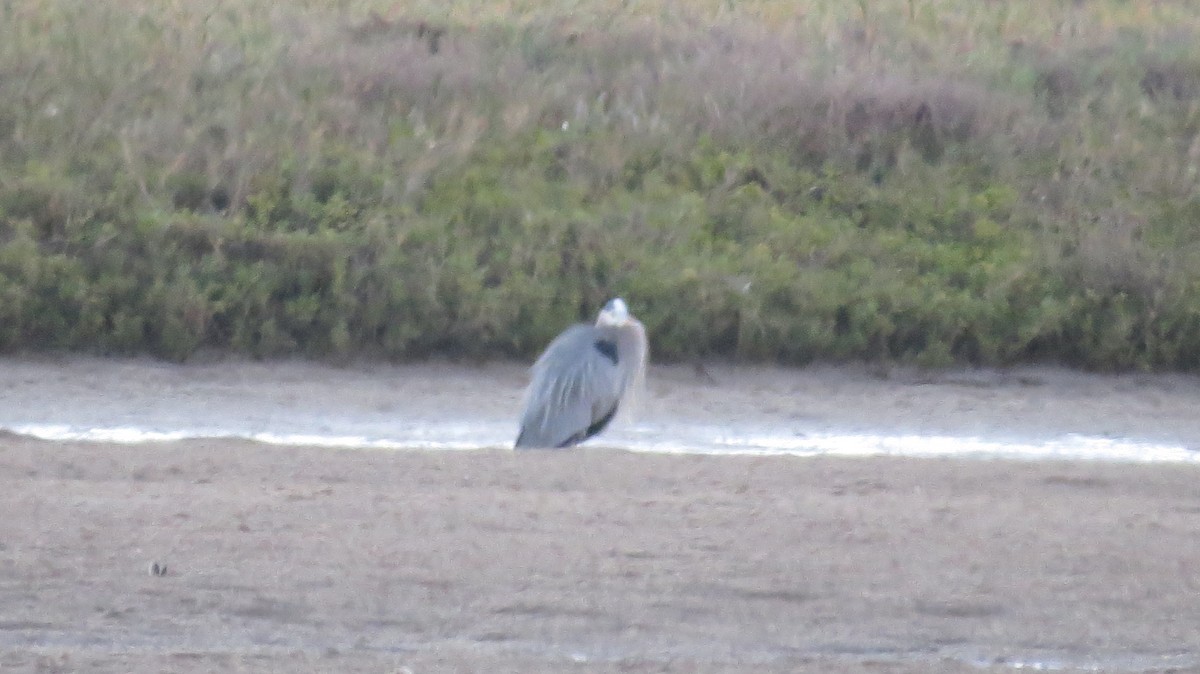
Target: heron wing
[[573, 392]]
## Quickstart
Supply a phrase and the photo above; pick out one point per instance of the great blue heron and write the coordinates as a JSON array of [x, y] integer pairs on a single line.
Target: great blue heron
[[578, 382]]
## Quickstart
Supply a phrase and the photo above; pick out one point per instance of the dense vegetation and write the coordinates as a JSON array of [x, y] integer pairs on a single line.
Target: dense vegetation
[[933, 181]]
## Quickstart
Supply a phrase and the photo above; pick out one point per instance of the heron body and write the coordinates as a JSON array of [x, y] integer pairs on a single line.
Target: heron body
[[578, 382]]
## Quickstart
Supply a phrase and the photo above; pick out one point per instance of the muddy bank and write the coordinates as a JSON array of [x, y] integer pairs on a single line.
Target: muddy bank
[[597, 560]]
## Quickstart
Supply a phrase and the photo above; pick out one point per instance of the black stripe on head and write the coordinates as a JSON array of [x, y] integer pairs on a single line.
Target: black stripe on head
[[607, 349]]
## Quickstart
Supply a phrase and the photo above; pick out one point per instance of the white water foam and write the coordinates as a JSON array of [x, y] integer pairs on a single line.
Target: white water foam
[[133, 436], [689, 440]]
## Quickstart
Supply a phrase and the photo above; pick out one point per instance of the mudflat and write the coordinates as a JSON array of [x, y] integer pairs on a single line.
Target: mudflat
[[297, 559]]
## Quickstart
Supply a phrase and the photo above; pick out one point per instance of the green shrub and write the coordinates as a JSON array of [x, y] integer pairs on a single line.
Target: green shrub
[[935, 182]]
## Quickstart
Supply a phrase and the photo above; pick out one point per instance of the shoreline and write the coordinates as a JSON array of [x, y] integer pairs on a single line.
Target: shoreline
[[1031, 412]]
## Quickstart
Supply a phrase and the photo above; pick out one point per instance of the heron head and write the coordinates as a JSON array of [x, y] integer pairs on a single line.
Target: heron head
[[614, 314]]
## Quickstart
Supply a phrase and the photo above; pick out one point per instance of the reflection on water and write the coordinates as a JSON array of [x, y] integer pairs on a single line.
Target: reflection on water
[[680, 439]]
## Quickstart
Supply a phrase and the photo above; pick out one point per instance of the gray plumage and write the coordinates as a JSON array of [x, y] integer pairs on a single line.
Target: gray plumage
[[578, 383]]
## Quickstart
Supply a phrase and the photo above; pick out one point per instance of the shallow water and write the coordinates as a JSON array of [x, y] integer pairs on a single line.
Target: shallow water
[[796, 412]]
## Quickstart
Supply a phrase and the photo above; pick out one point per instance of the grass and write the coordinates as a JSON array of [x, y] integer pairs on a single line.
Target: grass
[[929, 181]]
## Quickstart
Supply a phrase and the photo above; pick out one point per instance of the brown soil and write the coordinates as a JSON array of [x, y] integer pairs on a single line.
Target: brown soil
[[597, 560]]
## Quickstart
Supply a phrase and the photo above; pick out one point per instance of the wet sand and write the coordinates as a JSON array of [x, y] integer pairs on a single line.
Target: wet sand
[[300, 559]]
